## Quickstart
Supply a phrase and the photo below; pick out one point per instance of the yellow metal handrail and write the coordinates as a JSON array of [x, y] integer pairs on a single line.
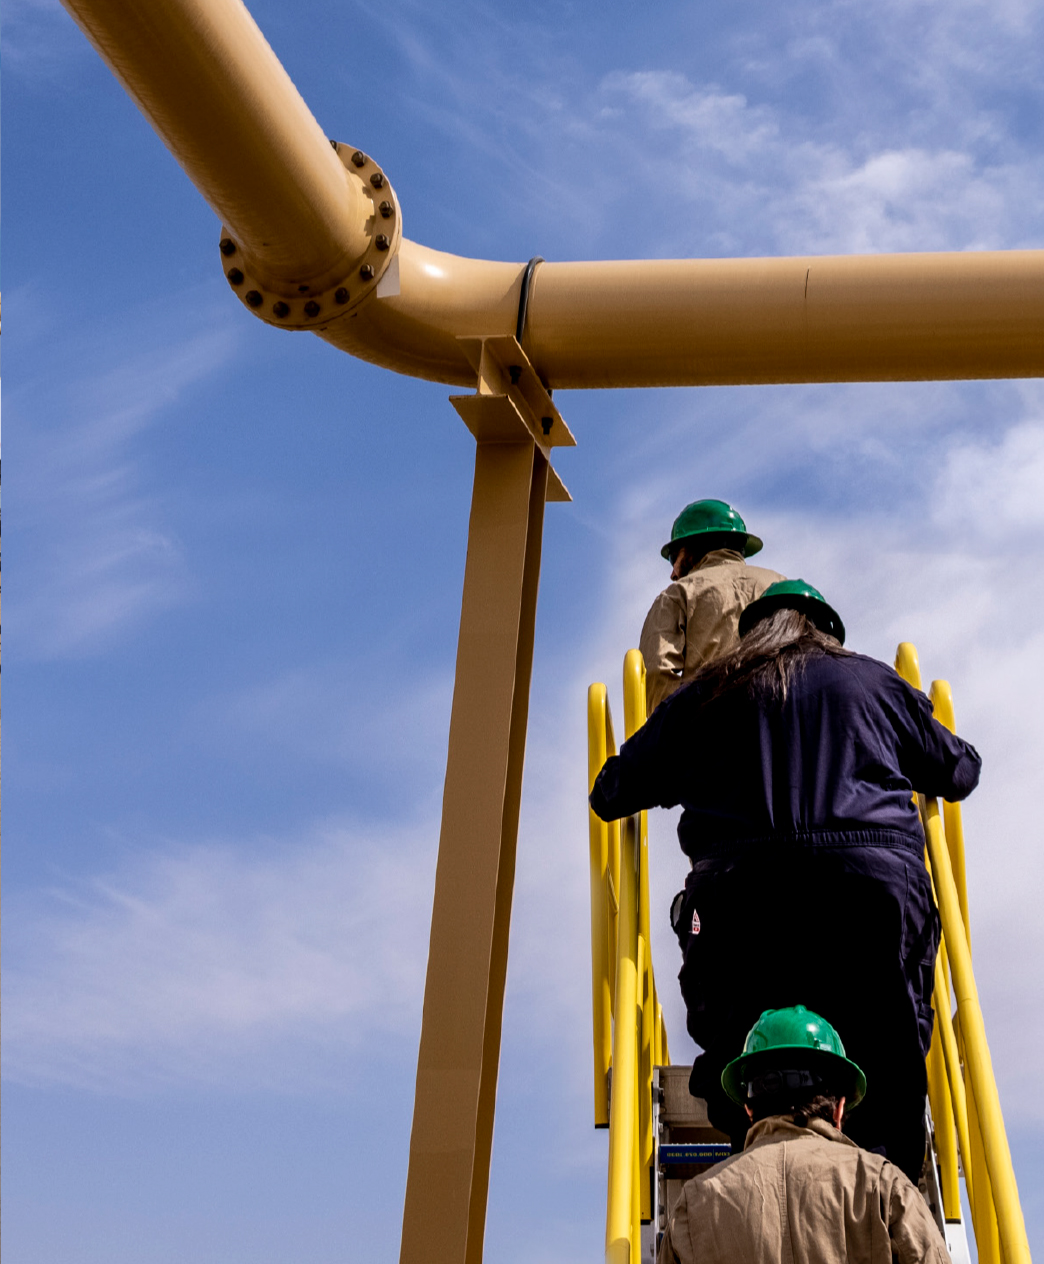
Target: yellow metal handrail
[[962, 1089], [630, 1037]]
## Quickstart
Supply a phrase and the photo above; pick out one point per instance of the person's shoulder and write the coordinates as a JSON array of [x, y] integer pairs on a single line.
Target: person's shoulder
[[762, 576], [852, 667]]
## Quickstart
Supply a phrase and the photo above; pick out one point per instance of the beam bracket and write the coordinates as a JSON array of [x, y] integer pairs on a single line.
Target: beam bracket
[[511, 403]]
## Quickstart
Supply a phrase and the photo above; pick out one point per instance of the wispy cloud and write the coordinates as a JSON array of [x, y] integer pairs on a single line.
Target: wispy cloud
[[244, 963], [89, 510]]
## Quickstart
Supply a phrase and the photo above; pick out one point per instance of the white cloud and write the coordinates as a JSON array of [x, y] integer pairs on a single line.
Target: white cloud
[[760, 180], [263, 963]]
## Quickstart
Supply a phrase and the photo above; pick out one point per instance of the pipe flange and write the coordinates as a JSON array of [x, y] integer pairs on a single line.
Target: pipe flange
[[304, 306]]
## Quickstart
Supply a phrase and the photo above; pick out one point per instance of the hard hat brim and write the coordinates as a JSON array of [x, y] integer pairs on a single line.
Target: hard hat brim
[[753, 543], [845, 1077]]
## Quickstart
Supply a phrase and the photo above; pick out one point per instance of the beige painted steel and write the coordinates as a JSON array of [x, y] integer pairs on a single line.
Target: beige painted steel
[[202, 73], [450, 1146], [701, 322], [206, 79]]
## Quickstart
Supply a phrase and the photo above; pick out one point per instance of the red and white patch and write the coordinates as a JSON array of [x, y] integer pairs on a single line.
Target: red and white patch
[[695, 922]]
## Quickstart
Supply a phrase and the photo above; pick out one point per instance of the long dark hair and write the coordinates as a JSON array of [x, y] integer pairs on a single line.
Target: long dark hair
[[764, 662]]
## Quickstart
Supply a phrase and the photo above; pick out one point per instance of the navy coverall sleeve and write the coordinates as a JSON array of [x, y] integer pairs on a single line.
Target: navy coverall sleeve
[[937, 762], [640, 776]]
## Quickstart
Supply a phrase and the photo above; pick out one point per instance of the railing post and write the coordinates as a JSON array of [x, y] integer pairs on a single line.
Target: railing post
[[979, 1066], [599, 746], [623, 1122]]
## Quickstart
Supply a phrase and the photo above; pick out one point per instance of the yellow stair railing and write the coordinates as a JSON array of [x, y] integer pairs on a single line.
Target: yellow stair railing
[[630, 1037], [962, 1090]]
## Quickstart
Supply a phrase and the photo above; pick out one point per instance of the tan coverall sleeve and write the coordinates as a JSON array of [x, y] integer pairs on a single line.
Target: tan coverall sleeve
[[663, 647], [915, 1235], [675, 1247]]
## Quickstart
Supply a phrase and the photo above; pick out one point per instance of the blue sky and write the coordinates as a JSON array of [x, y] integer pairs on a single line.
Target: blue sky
[[238, 559]]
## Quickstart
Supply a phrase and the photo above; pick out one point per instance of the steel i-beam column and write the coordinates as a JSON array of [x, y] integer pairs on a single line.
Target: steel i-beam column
[[452, 1138]]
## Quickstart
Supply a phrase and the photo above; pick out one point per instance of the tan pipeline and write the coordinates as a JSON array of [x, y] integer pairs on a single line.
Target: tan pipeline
[[313, 235]]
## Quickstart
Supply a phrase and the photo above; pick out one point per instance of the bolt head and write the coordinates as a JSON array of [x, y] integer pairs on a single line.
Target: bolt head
[[228, 246], [377, 180], [382, 242], [235, 277], [253, 297], [281, 309], [312, 308], [359, 158], [366, 272], [387, 210], [341, 296]]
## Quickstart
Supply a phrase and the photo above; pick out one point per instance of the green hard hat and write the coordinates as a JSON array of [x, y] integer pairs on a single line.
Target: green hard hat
[[792, 1041], [706, 517], [794, 594]]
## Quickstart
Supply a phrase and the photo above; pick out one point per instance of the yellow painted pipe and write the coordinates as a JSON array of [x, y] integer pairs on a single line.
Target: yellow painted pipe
[[941, 1102], [984, 1214], [636, 1154], [203, 75], [206, 79], [599, 745], [955, 1080], [979, 1065], [942, 705], [623, 1122]]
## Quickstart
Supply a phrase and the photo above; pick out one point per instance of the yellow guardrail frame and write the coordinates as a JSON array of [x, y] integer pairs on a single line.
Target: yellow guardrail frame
[[630, 1036], [629, 1033], [963, 1096]]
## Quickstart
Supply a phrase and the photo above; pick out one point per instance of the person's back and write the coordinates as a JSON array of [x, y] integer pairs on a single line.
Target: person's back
[[800, 1192], [806, 1195], [696, 617], [843, 752]]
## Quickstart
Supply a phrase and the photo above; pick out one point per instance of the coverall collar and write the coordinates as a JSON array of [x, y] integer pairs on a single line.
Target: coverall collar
[[718, 557], [782, 1128]]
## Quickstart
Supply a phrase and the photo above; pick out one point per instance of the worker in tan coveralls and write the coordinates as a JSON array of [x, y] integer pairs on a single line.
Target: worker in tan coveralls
[[801, 1191], [695, 618]]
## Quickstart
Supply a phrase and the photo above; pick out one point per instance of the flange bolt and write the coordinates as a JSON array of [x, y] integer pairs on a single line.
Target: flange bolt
[[386, 209], [235, 277], [377, 180], [366, 272], [341, 296], [312, 308], [254, 298], [281, 309], [382, 242], [359, 158], [228, 246]]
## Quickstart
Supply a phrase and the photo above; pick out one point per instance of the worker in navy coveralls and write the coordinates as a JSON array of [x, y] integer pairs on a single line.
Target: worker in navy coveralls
[[795, 762]]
